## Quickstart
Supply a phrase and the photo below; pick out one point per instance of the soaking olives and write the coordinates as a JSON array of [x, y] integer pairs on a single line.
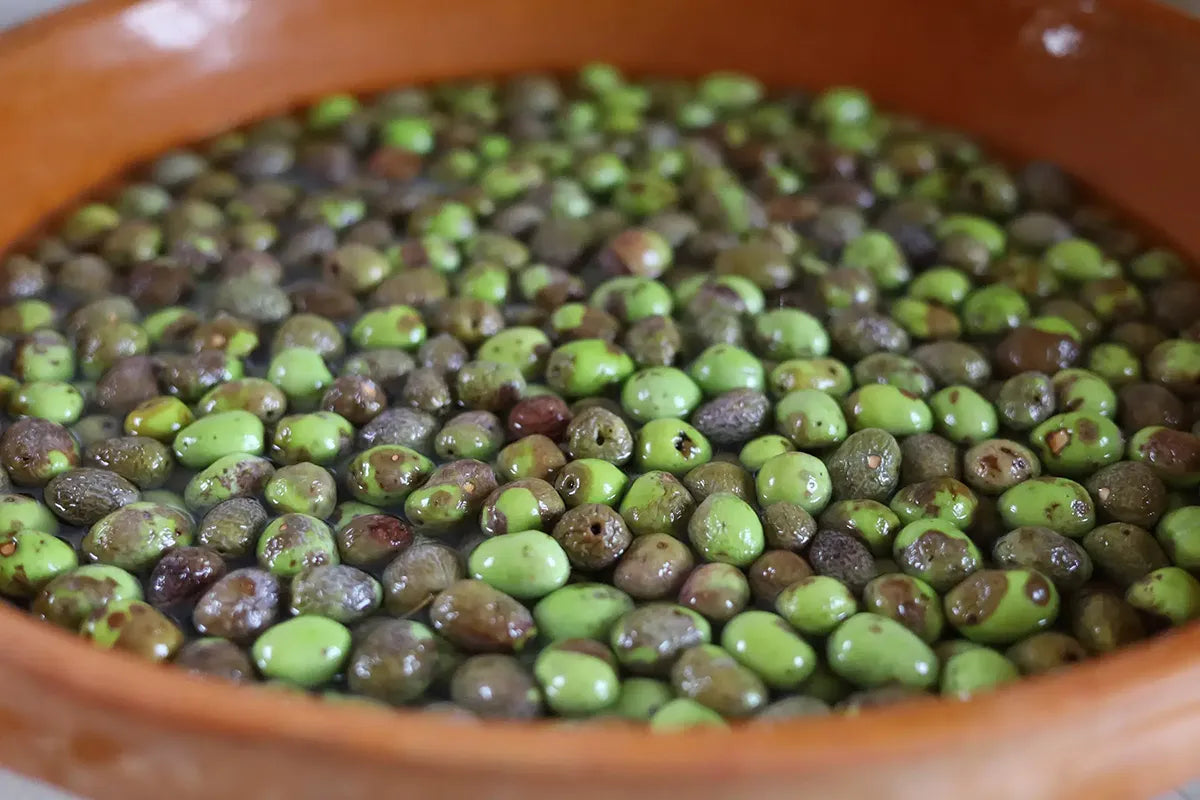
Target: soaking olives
[[674, 401]]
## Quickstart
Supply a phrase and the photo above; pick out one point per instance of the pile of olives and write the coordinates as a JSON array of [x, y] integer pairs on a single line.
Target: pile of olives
[[673, 401]]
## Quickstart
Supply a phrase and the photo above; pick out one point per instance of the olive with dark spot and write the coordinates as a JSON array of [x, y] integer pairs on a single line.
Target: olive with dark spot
[[1002, 606], [35, 450], [356, 398], [908, 600], [371, 539]]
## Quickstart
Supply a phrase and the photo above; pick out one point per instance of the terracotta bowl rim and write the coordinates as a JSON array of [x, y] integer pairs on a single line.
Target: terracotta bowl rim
[[1080, 696], [165, 697]]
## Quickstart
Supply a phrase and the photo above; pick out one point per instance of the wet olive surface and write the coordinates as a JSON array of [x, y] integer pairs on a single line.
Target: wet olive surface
[[683, 402]]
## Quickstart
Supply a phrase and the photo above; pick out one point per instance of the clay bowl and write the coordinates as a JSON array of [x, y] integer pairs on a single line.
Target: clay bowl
[[1108, 88]]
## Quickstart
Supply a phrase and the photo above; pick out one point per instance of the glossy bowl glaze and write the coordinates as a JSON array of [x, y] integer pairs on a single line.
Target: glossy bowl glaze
[[1108, 88]]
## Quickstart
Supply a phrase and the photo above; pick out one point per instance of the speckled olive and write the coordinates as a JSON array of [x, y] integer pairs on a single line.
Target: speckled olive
[[35, 450], [239, 606], [370, 539], [894, 370], [942, 498], [823, 374], [732, 417], [261, 398], [135, 627], [302, 488], [1064, 561], [292, 543], [926, 456], [1025, 400], [356, 398], [71, 597], [386, 474], [787, 526], [995, 465], [336, 591], [719, 476], [134, 536], [586, 367], [471, 434], [937, 552], [231, 528], [142, 461], [868, 520], [83, 495]]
